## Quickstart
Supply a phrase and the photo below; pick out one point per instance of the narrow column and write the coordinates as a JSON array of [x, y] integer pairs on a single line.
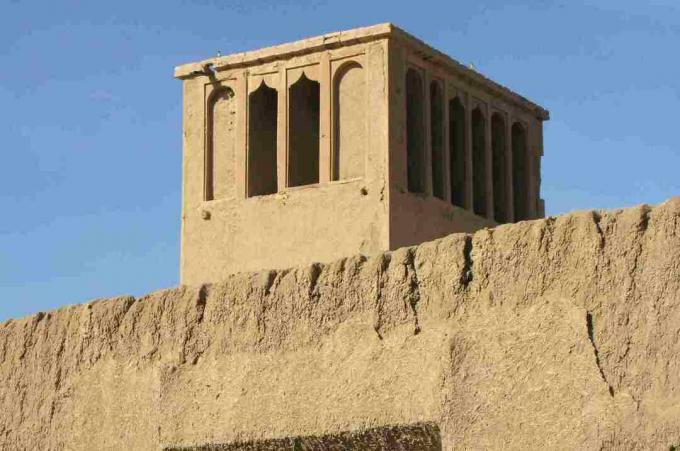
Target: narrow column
[[488, 162], [469, 187], [540, 204], [446, 173], [282, 132], [396, 162], [241, 135], [509, 173], [194, 143], [427, 113], [326, 88], [533, 169]]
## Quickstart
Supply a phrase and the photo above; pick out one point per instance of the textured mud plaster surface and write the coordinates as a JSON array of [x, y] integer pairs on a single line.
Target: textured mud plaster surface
[[556, 333]]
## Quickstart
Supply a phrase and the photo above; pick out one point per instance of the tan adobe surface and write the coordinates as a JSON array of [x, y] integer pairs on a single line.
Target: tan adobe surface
[[558, 333], [353, 142]]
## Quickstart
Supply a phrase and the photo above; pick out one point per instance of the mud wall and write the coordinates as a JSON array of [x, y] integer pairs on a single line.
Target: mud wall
[[555, 333]]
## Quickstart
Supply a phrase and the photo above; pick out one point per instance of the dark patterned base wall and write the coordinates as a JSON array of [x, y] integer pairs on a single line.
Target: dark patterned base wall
[[412, 437]]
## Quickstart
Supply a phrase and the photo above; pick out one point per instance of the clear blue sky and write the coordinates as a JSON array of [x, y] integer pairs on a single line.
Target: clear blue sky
[[90, 122]]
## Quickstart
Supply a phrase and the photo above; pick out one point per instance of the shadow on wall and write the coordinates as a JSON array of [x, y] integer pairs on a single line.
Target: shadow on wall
[[411, 437]]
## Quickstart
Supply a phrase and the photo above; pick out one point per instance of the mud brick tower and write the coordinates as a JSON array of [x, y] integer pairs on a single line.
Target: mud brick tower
[[353, 142]]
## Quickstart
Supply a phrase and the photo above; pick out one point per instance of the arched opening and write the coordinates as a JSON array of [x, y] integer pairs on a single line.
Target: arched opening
[[303, 132], [520, 171], [457, 151], [349, 113], [499, 167], [437, 139], [415, 132], [262, 114], [221, 137], [478, 162]]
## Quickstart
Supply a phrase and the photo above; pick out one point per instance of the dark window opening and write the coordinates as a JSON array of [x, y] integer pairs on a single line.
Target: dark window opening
[[303, 132], [437, 137], [415, 132], [479, 162], [457, 152], [262, 115], [499, 167], [520, 172]]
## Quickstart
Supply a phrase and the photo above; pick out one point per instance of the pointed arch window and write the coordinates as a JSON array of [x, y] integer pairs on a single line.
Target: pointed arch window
[[261, 164], [303, 132]]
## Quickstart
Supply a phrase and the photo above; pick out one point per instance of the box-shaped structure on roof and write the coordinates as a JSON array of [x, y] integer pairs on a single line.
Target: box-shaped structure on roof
[[353, 142]]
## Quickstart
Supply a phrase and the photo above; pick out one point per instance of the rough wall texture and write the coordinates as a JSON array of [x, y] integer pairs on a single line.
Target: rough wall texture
[[556, 333]]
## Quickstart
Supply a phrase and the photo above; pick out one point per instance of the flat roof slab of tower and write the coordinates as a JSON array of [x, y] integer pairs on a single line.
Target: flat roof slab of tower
[[350, 143]]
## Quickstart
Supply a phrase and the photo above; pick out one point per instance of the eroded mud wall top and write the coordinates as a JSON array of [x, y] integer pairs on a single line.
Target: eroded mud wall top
[[556, 332]]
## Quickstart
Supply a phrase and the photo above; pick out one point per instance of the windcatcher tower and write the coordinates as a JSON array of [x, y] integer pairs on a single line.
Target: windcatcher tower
[[353, 142]]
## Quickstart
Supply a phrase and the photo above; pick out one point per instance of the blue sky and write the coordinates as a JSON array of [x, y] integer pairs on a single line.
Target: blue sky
[[90, 116]]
